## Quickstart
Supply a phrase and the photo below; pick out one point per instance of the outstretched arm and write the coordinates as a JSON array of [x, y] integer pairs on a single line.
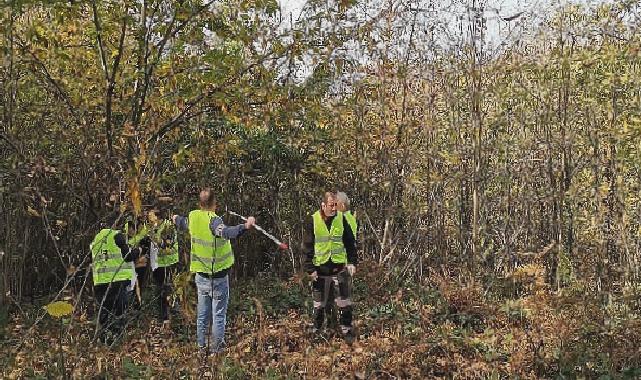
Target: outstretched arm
[[220, 229], [129, 254]]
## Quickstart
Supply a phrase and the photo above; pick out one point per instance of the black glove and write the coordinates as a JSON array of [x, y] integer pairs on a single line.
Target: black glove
[[134, 253], [145, 244]]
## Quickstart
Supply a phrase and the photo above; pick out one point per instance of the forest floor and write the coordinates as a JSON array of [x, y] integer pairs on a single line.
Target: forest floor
[[440, 329]]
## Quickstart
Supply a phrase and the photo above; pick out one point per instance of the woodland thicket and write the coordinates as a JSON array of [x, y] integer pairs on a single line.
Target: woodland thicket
[[493, 162]]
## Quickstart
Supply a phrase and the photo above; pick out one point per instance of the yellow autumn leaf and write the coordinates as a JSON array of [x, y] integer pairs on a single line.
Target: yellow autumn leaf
[[32, 212], [134, 193], [59, 309]]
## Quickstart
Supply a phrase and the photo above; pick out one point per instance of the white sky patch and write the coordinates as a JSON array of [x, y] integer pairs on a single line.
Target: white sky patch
[[292, 6], [506, 22]]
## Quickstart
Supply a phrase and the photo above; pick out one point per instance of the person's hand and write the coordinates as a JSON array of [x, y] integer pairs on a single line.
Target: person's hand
[[351, 269], [314, 275], [134, 251], [173, 218], [250, 222], [141, 262]]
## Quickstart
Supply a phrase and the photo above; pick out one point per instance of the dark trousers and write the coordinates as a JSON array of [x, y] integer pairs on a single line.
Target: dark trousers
[[163, 278], [338, 288], [141, 274], [111, 302]]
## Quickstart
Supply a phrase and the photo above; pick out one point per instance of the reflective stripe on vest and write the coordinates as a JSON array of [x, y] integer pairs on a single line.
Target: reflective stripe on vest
[[107, 262], [167, 246], [102, 270], [208, 260], [328, 244], [209, 254]]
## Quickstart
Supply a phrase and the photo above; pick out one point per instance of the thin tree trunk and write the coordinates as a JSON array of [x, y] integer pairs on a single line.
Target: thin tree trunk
[[9, 95], [476, 99]]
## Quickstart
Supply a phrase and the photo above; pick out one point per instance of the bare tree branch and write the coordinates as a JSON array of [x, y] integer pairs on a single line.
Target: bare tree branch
[[101, 49]]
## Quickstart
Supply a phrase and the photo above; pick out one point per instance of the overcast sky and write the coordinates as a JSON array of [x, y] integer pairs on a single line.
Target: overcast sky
[[507, 7], [497, 29]]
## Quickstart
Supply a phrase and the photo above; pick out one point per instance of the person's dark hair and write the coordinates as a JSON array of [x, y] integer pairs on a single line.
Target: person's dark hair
[[162, 212], [327, 195], [207, 198], [163, 206]]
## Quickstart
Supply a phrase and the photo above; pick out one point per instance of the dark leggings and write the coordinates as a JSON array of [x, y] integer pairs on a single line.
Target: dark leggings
[[111, 303]]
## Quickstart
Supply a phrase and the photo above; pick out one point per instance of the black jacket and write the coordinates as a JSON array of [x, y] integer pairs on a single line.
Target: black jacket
[[308, 248], [128, 254]]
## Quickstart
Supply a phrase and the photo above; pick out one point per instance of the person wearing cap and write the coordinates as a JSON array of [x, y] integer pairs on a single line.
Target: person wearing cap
[[211, 259], [330, 259]]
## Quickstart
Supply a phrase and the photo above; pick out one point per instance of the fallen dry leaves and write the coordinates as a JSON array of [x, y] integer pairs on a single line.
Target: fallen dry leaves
[[457, 334]]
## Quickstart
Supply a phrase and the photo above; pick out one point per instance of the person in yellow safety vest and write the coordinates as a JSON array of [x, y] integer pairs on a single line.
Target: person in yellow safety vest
[[330, 258], [111, 259], [343, 205], [164, 258], [211, 258]]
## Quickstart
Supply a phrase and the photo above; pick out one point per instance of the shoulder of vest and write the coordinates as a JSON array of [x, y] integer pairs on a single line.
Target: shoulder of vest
[[165, 223], [203, 212]]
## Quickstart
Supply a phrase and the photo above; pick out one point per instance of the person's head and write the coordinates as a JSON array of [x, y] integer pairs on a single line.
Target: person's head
[[328, 204], [342, 201], [206, 200], [163, 207]]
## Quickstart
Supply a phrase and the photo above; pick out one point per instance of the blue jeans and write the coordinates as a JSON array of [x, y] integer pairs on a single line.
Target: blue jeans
[[213, 295]]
